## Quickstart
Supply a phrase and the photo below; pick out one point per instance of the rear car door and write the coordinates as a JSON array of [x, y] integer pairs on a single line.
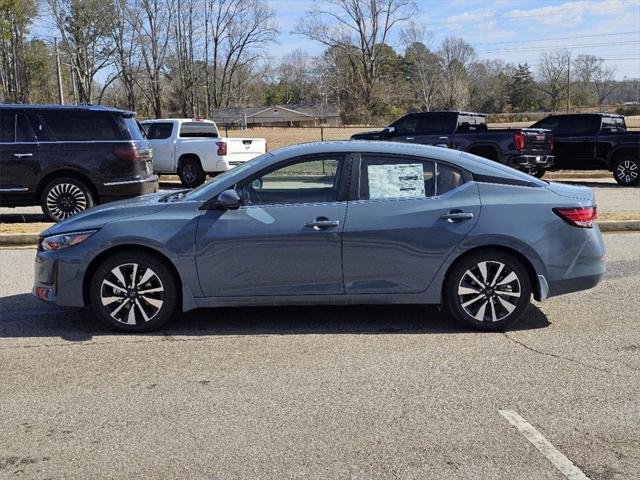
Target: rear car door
[[408, 216], [161, 139], [19, 158], [574, 140], [286, 237]]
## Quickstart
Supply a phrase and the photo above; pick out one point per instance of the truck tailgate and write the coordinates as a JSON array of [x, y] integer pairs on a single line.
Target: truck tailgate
[[240, 150], [538, 140]]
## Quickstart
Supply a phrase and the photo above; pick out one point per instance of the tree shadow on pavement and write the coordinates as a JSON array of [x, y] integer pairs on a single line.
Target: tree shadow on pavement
[[23, 316]]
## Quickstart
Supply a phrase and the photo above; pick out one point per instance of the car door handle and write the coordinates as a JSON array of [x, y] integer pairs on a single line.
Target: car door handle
[[322, 223], [410, 138], [20, 155], [457, 216]]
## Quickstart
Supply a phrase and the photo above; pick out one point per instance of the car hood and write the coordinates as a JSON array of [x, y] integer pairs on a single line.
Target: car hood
[[98, 217], [584, 194]]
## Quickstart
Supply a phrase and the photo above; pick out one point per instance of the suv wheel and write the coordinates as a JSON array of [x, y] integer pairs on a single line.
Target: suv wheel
[[191, 173], [65, 197], [627, 172], [488, 290], [538, 172], [133, 292]]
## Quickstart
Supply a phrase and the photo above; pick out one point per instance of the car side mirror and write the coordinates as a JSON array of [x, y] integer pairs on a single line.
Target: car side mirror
[[389, 131], [227, 200]]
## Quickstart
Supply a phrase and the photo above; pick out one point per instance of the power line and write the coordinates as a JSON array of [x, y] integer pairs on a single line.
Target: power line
[[558, 38]]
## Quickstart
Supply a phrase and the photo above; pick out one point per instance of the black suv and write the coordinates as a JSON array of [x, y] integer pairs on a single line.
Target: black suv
[[70, 158]]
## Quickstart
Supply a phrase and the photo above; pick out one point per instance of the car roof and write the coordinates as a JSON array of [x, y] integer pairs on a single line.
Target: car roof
[[197, 120], [87, 108]]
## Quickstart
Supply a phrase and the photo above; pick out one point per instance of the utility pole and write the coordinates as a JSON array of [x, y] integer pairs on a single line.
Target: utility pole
[[58, 72], [568, 83]]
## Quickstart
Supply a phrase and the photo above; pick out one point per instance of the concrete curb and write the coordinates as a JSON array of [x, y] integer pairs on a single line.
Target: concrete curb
[[31, 239]]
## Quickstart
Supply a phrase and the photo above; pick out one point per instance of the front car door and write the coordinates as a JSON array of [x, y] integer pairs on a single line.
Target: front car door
[[409, 215], [161, 139], [286, 237], [19, 159]]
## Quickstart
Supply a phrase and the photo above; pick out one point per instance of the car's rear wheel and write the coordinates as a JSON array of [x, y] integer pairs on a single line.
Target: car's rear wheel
[[191, 173], [627, 171], [64, 197], [487, 290], [133, 292]]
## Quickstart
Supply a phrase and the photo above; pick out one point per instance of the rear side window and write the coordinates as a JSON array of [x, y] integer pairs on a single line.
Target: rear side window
[[24, 132], [158, 131], [198, 130], [129, 128], [82, 126], [578, 125], [447, 178], [551, 123], [7, 127], [435, 123], [395, 177]]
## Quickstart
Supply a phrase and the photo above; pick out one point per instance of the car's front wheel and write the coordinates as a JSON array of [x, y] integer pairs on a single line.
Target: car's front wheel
[[627, 172], [133, 292], [487, 290]]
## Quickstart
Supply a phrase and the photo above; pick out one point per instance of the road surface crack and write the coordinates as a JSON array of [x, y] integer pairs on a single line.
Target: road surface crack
[[561, 357]]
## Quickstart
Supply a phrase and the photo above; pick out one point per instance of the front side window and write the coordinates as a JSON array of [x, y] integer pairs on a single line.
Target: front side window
[[406, 125], [310, 180], [158, 131], [395, 177]]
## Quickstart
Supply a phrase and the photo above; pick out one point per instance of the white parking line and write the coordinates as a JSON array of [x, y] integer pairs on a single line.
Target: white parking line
[[562, 463]]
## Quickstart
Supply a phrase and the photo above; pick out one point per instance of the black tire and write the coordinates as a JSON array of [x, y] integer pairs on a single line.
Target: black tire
[[150, 310], [467, 300], [539, 173], [626, 171], [191, 173], [64, 197]]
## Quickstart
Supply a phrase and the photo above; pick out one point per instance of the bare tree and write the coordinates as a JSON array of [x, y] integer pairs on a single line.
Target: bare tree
[[457, 56], [153, 35], [85, 27], [359, 28], [584, 68], [239, 31], [15, 17], [126, 49], [604, 83], [425, 67], [553, 75]]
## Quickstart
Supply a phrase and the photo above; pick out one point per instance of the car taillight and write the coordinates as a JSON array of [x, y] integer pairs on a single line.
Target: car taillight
[[132, 152], [578, 217], [222, 148], [518, 139]]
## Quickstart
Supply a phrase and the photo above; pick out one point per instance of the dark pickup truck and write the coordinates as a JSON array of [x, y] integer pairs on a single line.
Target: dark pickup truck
[[527, 149], [594, 141]]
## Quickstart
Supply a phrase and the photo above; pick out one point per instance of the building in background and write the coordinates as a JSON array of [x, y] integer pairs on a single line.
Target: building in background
[[296, 115]]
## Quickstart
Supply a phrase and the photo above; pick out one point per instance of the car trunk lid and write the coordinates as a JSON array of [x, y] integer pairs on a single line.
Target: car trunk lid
[[538, 140], [584, 195], [240, 150]]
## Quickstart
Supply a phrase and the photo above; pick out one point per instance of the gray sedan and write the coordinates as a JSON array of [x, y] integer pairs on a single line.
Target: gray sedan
[[331, 223]]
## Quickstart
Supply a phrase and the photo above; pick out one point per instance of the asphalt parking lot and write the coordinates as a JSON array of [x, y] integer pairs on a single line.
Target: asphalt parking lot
[[351, 392]]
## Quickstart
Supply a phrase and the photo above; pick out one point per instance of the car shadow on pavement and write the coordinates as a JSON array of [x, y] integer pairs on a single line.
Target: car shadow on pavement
[[22, 218], [23, 316]]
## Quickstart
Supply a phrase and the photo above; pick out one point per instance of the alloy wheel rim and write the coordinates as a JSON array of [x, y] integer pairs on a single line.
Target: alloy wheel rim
[[65, 200], [132, 294], [627, 171], [189, 174], [489, 291]]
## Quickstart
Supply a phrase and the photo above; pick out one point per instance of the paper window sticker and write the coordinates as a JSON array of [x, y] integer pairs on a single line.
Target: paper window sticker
[[396, 181]]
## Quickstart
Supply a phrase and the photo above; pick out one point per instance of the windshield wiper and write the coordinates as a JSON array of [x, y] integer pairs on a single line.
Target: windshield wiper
[[178, 195]]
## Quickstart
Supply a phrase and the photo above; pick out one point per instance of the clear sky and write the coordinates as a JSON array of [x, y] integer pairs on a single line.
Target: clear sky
[[513, 30]]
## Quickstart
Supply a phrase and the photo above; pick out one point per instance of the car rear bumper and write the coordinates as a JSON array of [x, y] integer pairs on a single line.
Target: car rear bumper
[[528, 162], [128, 187]]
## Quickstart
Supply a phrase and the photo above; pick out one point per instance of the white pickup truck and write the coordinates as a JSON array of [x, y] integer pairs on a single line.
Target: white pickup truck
[[193, 149]]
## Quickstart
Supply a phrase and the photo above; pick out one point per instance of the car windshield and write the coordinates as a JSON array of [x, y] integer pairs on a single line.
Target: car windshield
[[202, 192]]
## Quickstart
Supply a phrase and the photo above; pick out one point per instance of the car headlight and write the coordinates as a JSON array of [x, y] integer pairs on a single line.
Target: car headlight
[[64, 240]]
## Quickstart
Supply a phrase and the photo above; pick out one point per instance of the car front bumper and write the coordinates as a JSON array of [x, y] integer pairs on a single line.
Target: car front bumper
[[64, 268]]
